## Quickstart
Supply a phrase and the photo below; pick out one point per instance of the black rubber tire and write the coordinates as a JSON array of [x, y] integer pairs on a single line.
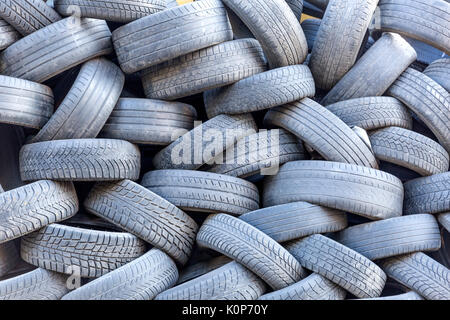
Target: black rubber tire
[[364, 191], [409, 149], [310, 28], [252, 248], [146, 121], [230, 282], [111, 10], [339, 264], [428, 194], [393, 237], [58, 248], [80, 160], [38, 284], [439, 71], [261, 91], [9, 257], [411, 295], [296, 7], [27, 16], [24, 103], [261, 152], [323, 131], [141, 279], [391, 54], [373, 113], [8, 35], [295, 220], [240, 125], [171, 33], [198, 269], [420, 273], [340, 36], [56, 48], [34, 206], [428, 100], [87, 105], [275, 27], [146, 215], [209, 68], [313, 287], [203, 191], [431, 20], [444, 219]]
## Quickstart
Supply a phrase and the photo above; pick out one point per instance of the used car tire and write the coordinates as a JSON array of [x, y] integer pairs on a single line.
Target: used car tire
[[8, 35], [439, 71], [9, 257]]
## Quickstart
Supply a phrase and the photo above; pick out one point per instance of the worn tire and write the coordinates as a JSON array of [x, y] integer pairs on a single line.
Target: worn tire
[[311, 28], [426, 54], [275, 27], [340, 36], [80, 160], [261, 91], [420, 273], [33, 206], [203, 191], [431, 20], [146, 215], [141, 279], [112, 10], [230, 282], [391, 54], [25, 103], [444, 219], [323, 131], [339, 264], [8, 35], [59, 248], [373, 113], [392, 237], [429, 101], [296, 7], [242, 125], [171, 33], [439, 71], [428, 194], [147, 121], [198, 269], [9, 257], [411, 295], [88, 104], [56, 48], [347, 187], [409, 149], [252, 248], [209, 68], [313, 287]]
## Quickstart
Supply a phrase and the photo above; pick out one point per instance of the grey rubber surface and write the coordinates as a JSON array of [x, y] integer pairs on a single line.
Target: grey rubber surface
[[111, 10], [295, 220], [66, 249], [427, 99], [146, 215], [409, 149], [439, 71], [310, 28], [428, 194], [261, 91], [209, 68], [140, 279], [372, 113], [24, 103], [339, 38], [80, 160], [147, 121], [252, 248], [8, 35], [33, 206], [323, 131], [365, 191], [184, 147], [313, 287], [444, 219], [87, 105], [198, 269], [38, 284], [276, 27], [339, 264], [411, 295], [56, 48], [230, 282], [420, 273], [296, 7], [171, 33], [203, 191], [392, 237], [9, 257], [391, 54]]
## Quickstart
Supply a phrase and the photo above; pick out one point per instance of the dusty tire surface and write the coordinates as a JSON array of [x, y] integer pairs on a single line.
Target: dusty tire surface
[[439, 71], [9, 257], [8, 35]]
